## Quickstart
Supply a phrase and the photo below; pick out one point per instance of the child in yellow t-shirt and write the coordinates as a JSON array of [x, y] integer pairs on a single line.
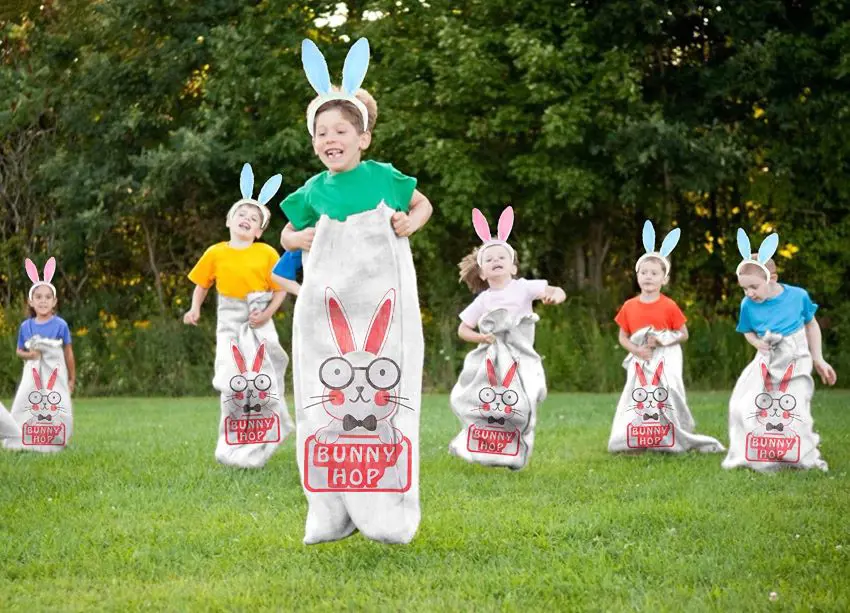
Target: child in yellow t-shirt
[[254, 420]]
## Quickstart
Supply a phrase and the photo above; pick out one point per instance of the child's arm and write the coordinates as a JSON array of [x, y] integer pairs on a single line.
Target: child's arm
[[639, 351], [194, 313], [292, 239], [471, 336], [71, 365], [405, 224], [553, 295], [289, 286], [28, 355], [258, 318], [813, 336], [755, 341]]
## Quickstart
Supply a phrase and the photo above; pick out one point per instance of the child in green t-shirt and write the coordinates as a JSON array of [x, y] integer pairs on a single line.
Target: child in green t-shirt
[[341, 131]]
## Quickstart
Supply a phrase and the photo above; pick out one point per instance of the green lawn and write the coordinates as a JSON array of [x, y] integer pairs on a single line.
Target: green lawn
[[137, 515]]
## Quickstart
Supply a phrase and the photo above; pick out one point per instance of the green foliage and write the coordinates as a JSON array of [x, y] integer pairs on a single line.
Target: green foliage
[[123, 126], [136, 515]]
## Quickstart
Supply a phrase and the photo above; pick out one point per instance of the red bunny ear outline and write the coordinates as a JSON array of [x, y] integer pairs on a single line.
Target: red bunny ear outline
[[491, 374], [238, 358], [338, 322], [258, 359], [52, 380], [765, 374], [36, 379], [656, 378], [510, 376], [639, 371], [380, 324], [786, 378]]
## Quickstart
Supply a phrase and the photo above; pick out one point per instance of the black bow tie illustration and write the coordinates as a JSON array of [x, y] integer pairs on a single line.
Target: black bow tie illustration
[[50, 418], [349, 422], [778, 427], [493, 420], [650, 416], [250, 408]]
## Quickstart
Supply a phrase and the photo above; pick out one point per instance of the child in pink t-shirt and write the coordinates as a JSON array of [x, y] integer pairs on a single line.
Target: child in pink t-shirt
[[490, 271]]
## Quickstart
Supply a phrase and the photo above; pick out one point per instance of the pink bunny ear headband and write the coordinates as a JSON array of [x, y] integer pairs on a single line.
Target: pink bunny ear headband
[[482, 229], [49, 271]]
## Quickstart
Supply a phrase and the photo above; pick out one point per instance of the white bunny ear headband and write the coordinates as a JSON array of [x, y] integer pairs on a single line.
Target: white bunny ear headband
[[32, 273], [246, 184], [353, 73], [766, 250], [482, 229], [667, 245]]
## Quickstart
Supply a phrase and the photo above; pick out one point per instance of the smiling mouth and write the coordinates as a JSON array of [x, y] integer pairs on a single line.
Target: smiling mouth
[[333, 154], [245, 226]]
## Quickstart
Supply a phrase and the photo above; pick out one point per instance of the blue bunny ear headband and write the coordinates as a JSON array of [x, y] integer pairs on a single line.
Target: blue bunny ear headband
[[353, 73], [766, 250], [246, 185], [667, 245]]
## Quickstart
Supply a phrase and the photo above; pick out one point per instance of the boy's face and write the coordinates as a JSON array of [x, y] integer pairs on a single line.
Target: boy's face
[[651, 276], [246, 223], [497, 263], [337, 142], [755, 286], [43, 301]]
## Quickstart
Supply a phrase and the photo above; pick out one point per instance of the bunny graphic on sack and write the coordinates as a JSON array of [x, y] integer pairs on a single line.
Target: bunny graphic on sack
[[770, 419], [360, 392], [651, 426], [653, 412], [42, 406], [252, 419]]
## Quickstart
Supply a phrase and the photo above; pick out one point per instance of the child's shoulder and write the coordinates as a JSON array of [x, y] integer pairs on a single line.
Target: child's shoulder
[[265, 249], [795, 290]]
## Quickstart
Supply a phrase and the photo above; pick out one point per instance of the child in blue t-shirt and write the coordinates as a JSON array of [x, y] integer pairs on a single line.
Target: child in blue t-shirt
[[285, 272], [770, 417]]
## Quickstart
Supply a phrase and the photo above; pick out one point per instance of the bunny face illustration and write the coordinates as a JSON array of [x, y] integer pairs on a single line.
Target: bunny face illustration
[[651, 400], [775, 407], [251, 389], [45, 402], [498, 405], [360, 386]]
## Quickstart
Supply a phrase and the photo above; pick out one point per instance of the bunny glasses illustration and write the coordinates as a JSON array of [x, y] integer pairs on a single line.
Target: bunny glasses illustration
[[774, 407], [498, 403], [360, 392], [649, 397]]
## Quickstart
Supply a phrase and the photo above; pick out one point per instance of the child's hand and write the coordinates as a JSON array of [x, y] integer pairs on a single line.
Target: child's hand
[[652, 342], [762, 346], [826, 372], [31, 355], [191, 317], [304, 238], [402, 225], [644, 352], [258, 318], [554, 295], [487, 338], [71, 385]]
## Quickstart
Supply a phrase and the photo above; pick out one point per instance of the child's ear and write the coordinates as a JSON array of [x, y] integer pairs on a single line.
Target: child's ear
[[774, 277], [365, 140], [514, 270]]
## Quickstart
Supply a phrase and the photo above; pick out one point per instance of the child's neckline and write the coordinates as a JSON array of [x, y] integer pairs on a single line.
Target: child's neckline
[[501, 289], [333, 174], [782, 291], [46, 321], [248, 246], [642, 301]]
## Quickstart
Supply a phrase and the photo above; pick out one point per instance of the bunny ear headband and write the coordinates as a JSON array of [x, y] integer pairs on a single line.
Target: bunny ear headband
[[482, 229], [353, 73], [766, 250], [246, 184], [32, 273], [667, 245]]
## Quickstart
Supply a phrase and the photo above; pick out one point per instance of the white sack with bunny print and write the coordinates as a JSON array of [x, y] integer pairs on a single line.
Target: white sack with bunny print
[[9, 429], [770, 411], [357, 353], [498, 393], [653, 412], [353, 73], [42, 405], [250, 365]]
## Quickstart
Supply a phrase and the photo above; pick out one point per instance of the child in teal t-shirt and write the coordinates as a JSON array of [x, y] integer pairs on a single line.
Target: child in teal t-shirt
[[349, 185]]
